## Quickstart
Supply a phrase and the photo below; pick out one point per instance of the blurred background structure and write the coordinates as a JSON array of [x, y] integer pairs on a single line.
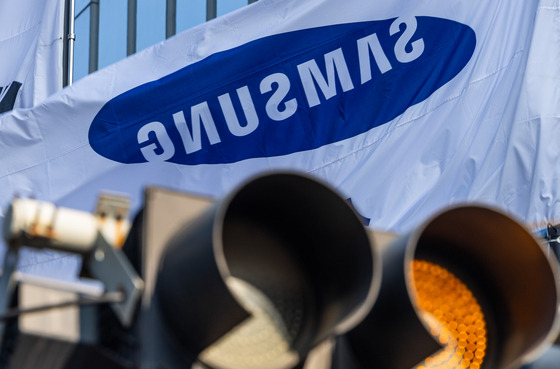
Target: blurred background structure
[[110, 30]]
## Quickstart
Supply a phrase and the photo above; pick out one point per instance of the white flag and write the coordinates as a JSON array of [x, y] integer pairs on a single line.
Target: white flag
[[31, 43], [405, 108]]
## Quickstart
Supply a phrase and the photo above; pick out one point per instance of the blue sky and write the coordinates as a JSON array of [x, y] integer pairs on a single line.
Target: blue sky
[[150, 26]]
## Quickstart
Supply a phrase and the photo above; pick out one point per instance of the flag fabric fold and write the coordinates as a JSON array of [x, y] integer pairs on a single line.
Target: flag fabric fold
[[31, 51]]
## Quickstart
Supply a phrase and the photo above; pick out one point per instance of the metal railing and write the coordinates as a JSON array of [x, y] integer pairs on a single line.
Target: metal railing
[[131, 34]]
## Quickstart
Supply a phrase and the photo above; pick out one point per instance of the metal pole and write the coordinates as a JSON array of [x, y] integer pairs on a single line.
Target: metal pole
[[71, 37], [94, 36], [211, 9], [131, 27], [171, 18], [252, 1]]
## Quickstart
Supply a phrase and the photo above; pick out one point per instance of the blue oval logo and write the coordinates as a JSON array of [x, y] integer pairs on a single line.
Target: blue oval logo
[[284, 93]]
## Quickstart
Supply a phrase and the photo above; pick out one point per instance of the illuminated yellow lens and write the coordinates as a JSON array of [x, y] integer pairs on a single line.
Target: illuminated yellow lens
[[453, 315]]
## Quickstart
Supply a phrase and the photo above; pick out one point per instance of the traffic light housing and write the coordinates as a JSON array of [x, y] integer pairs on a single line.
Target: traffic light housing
[[283, 261], [503, 269]]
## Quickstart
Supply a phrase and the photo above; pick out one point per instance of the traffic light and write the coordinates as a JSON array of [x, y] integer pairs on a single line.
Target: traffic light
[[255, 280], [281, 274], [472, 277]]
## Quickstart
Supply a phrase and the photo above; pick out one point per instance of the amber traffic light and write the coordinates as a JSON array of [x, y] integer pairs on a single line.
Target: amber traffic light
[[472, 280], [453, 315]]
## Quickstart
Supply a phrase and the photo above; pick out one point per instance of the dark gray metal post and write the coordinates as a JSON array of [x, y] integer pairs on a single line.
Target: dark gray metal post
[[94, 36], [131, 27], [170, 18], [211, 9]]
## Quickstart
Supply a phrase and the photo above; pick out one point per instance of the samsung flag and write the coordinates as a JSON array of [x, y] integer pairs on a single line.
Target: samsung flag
[[31, 43], [405, 108]]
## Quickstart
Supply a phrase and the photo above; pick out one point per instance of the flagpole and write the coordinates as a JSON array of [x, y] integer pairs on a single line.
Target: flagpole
[[171, 18], [211, 9], [71, 37], [131, 27], [93, 35]]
